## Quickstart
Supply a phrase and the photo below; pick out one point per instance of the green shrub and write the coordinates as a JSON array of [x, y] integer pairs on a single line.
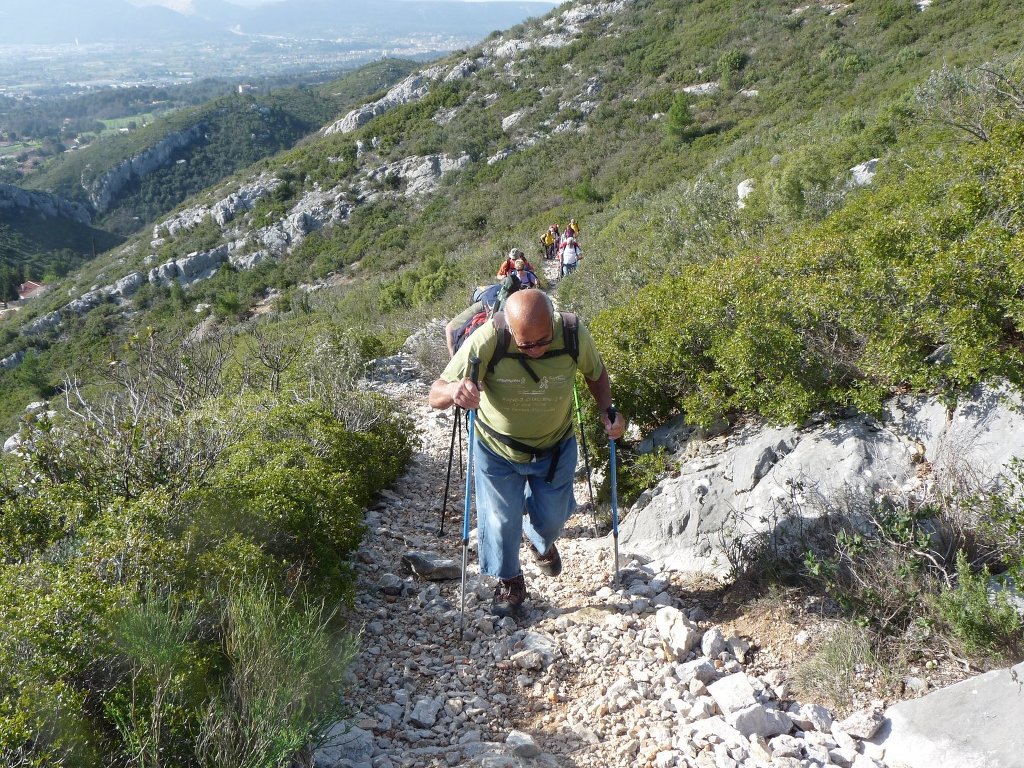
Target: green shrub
[[286, 667], [1001, 521], [983, 623], [637, 473], [96, 660], [878, 569], [840, 313], [296, 481], [585, 191], [51, 642], [228, 305], [681, 124], [419, 286], [165, 667]]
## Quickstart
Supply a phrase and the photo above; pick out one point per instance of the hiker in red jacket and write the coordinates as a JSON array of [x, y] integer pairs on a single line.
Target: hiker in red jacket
[[509, 264]]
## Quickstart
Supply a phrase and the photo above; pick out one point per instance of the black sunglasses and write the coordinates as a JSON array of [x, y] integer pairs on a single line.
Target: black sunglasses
[[532, 344]]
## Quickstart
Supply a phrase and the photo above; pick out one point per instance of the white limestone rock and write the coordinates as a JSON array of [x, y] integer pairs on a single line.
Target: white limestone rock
[[411, 89], [733, 693], [128, 285], [702, 89], [13, 198], [344, 744], [42, 324], [862, 724], [510, 120], [677, 632], [861, 175], [759, 720], [743, 191], [12, 361], [811, 717]]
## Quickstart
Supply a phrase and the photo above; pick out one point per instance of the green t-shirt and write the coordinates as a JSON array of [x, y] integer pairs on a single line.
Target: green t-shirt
[[538, 414]]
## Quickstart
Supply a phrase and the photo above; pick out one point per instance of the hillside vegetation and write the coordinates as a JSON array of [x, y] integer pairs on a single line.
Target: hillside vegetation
[[137, 530], [32, 248]]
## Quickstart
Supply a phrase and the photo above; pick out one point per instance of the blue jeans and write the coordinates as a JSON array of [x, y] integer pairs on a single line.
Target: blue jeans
[[568, 269], [504, 489]]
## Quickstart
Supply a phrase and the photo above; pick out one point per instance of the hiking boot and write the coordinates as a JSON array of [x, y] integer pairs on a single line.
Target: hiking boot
[[550, 563], [509, 595]]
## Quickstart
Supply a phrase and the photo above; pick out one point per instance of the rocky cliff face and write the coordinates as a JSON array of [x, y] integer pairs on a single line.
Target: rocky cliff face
[[413, 88], [770, 481], [14, 198], [104, 190]]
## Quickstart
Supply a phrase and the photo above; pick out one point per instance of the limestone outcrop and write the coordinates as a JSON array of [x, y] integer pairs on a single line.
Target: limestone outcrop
[[413, 88], [421, 174], [222, 211], [778, 481]]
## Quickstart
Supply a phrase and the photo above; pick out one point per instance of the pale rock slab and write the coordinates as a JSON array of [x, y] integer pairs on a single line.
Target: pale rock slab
[[733, 693]]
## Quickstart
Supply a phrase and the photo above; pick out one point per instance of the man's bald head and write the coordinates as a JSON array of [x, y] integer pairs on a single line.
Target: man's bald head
[[528, 306]]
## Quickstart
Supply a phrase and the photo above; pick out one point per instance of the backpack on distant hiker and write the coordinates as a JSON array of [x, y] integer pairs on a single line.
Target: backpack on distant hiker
[[467, 329], [509, 285], [492, 298], [570, 251], [486, 294]]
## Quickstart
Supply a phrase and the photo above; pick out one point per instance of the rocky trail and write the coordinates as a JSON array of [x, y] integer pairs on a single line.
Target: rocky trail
[[643, 673]]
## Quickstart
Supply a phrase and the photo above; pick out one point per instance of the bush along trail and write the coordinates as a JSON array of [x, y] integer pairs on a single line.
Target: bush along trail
[[595, 674]]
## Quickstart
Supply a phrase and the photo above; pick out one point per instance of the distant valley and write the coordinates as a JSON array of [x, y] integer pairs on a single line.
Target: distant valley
[[111, 42]]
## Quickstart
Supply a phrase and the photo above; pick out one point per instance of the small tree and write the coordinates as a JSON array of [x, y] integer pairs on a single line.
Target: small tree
[[9, 280], [681, 122], [729, 65]]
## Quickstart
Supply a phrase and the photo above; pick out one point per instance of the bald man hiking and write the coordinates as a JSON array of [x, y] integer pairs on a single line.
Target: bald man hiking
[[525, 445]]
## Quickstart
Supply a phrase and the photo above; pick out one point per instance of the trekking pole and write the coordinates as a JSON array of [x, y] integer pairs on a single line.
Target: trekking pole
[[612, 413], [474, 372], [459, 421], [586, 457], [448, 477]]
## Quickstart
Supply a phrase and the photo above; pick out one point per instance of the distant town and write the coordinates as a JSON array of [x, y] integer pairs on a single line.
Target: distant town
[[31, 74], [34, 71]]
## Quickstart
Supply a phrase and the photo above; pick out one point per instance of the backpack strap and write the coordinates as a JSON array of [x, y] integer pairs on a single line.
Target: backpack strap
[[504, 337], [571, 334]]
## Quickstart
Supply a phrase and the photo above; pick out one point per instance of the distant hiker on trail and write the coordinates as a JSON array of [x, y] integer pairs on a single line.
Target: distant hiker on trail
[[527, 278], [569, 255], [572, 229], [525, 446], [548, 241], [509, 264]]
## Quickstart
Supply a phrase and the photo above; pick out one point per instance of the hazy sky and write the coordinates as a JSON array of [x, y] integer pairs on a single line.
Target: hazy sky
[[185, 6], [264, 2]]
